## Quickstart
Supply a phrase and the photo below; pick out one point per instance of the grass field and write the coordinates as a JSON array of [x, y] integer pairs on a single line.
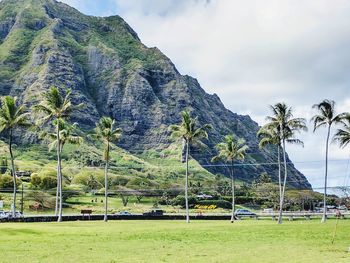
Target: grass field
[[175, 241]]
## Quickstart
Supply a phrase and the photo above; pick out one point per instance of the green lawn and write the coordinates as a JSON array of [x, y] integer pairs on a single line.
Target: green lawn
[[175, 241]]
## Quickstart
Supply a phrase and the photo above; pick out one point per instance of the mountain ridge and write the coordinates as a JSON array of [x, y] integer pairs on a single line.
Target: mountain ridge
[[103, 61]]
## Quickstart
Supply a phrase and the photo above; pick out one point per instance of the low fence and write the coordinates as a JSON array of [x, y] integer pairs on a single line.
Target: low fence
[[305, 215], [113, 217], [273, 216]]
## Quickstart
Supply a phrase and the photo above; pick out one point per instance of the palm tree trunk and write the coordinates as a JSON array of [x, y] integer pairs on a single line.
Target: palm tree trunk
[[233, 192], [59, 175], [57, 193], [59, 172], [13, 172], [60, 208], [324, 217], [186, 184], [279, 170], [106, 184], [284, 183]]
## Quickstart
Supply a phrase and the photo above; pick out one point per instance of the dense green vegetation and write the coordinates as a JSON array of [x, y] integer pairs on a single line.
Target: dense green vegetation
[[83, 174], [174, 241]]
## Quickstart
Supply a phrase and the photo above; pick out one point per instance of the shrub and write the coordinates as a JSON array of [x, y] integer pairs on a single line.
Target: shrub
[[43, 182], [6, 182], [180, 200], [70, 171], [44, 199], [139, 182], [70, 191], [93, 178], [48, 182], [35, 180], [120, 180], [48, 172], [3, 165], [125, 199]]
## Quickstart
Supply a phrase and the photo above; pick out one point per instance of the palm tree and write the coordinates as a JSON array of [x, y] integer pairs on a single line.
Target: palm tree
[[12, 116], [56, 108], [67, 135], [231, 149], [190, 134], [343, 135], [326, 117], [283, 122], [272, 137], [106, 131]]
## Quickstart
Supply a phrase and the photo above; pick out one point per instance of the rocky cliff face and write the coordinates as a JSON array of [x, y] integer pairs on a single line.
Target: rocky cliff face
[[45, 43]]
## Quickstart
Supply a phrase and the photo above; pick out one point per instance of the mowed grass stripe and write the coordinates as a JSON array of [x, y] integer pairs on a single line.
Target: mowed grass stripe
[[175, 241]]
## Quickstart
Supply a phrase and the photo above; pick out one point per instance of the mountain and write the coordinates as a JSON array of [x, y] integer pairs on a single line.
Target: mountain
[[46, 43]]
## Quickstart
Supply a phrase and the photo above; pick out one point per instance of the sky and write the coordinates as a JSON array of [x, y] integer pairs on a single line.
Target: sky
[[253, 54]]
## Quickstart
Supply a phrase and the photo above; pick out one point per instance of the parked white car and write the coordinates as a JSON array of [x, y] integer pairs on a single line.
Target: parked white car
[[9, 214], [3, 215], [244, 212]]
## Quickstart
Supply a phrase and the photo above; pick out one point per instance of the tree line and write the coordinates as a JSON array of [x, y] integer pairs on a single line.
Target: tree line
[[281, 128], [56, 108]]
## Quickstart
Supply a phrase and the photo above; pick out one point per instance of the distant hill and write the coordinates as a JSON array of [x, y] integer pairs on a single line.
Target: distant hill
[[45, 43]]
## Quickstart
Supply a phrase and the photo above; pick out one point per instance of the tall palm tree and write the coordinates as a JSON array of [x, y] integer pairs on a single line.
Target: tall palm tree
[[272, 137], [67, 135], [55, 108], [282, 121], [229, 150], [12, 116], [191, 134], [326, 117], [108, 133], [342, 136]]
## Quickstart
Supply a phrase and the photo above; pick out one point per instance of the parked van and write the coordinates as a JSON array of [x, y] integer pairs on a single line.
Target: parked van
[[154, 212]]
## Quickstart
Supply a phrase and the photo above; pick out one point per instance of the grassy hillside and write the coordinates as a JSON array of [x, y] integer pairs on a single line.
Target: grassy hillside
[[146, 170]]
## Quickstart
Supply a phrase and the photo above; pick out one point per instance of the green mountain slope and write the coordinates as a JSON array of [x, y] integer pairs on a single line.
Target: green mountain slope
[[45, 43]]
